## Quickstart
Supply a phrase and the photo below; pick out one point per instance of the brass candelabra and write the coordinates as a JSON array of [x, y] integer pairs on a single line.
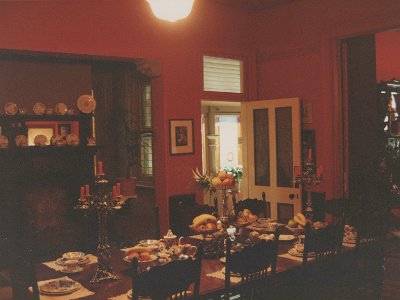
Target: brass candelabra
[[103, 202], [307, 179]]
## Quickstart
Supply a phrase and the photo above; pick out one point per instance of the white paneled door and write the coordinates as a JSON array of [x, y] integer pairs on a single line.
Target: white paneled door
[[272, 132]]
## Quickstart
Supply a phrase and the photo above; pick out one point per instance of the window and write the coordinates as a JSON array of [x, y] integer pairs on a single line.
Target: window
[[222, 74], [146, 157]]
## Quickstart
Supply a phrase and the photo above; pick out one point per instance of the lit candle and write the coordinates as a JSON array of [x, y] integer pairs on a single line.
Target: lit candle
[[82, 196], [118, 189], [309, 154], [296, 171], [87, 193], [100, 168], [114, 191]]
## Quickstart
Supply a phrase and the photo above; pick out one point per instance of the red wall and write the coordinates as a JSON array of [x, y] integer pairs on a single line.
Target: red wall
[[291, 45], [295, 48], [387, 56], [126, 28]]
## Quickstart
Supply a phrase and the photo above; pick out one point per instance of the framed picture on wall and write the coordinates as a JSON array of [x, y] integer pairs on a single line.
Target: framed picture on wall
[[181, 136]]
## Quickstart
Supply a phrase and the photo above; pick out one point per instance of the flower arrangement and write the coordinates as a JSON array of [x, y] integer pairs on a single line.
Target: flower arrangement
[[224, 179]]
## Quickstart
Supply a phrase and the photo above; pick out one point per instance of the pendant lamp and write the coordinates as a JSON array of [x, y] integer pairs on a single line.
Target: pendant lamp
[[171, 10]]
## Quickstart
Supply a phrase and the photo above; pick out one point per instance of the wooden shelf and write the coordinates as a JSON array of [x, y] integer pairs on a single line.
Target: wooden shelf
[[24, 118]]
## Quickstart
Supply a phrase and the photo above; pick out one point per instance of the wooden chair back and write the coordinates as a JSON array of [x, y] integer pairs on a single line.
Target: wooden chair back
[[324, 242], [256, 206], [169, 281], [21, 269], [253, 261]]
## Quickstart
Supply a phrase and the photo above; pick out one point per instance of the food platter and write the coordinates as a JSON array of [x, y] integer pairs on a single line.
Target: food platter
[[152, 259], [61, 261], [86, 104]]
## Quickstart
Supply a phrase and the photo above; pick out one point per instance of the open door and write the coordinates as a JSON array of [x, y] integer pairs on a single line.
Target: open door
[[272, 131]]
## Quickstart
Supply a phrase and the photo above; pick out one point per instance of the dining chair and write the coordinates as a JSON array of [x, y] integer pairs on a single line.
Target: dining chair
[[323, 245], [259, 207], [252, 265], [169, 281], [21, 269]]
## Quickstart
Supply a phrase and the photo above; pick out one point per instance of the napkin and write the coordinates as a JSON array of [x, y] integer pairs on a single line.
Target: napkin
[[54, 266], [82, 292]]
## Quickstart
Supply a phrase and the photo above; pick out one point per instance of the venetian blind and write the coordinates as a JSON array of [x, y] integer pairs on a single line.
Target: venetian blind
[[222, 74]]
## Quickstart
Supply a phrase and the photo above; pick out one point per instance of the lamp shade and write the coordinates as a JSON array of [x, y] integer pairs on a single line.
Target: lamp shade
[[171, 10]]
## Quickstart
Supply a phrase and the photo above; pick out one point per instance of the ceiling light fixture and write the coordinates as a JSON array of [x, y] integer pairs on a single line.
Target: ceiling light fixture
[[171, 10]]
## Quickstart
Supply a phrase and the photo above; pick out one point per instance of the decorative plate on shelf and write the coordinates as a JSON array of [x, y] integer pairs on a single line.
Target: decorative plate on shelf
[[86, 104], [39, 108], [21, 141], [3, 141], [10, 108], [40, 140], [72, 139], [61, 108]]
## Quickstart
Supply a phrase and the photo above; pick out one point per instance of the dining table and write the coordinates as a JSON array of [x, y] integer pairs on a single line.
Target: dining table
[[211, 281]]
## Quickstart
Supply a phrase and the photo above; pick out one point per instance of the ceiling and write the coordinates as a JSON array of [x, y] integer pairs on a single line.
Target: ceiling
[[255, 4]]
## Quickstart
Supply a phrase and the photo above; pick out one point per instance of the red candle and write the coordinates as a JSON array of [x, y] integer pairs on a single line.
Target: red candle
[[118, 189], [309, 154], [100, 168], [114, 191], [87, 193], [82, 196], [296, 171]]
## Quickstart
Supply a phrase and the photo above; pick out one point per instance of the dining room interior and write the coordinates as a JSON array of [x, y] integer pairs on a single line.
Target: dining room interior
[[247, 137]]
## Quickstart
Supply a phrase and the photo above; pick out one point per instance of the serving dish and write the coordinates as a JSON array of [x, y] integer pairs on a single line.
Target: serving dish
[[61, 261], [75, 270], [86, 104], [152, 259], [286, 237], [73, 255]]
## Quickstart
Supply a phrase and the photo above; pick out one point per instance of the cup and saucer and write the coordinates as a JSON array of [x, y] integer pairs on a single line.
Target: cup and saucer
[[71, 266]]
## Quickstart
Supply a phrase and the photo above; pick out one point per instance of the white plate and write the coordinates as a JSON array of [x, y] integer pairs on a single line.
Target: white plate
[[232, 274], [59, 287], [294, 252], [21, 141], [61, 261], [147, 243], [72, 271], [72, 139], [61, 108], [3, 141], [286, 237], [86, 104], [10, 108], [152, 259], [39, 108], [74, 255]]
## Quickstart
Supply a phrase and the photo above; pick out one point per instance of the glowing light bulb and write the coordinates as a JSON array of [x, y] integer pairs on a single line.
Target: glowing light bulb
[[171, 10]]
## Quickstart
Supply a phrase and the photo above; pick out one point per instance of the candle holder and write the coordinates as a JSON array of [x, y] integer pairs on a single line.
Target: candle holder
[[103, 202], [308, 179]]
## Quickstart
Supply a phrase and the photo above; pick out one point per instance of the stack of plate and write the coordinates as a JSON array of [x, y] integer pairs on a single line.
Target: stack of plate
[[79, 257], [58, 287]]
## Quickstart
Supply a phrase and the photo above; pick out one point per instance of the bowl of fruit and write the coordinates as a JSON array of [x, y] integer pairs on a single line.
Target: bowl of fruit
[[245, 218], [297, 224], [204, 224]]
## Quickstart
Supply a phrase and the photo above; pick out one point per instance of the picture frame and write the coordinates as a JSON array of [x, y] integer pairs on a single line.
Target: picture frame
[[181, 136]]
